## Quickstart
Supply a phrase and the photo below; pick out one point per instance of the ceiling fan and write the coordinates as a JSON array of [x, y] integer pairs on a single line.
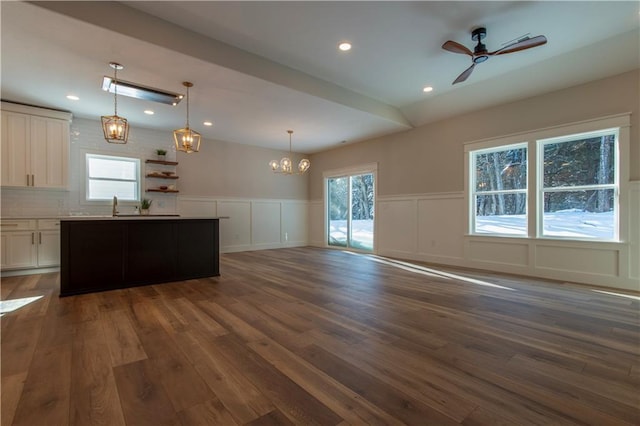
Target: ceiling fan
[[480, 53]]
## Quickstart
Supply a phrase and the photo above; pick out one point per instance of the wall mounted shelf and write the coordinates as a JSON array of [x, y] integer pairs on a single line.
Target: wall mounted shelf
[[163, 173], [161, 176], [162, 190], [166, 163]]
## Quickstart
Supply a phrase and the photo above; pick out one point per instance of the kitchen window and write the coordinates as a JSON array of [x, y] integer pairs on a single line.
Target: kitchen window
[[109, 176]]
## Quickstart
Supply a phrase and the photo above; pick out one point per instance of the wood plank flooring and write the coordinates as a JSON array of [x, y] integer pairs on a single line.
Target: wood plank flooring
[[312, 336]]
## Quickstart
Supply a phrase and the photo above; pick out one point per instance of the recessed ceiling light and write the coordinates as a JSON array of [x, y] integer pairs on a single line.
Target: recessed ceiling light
[[344, 46], [208, 123], [73, 97], [148, 112], [427, 89]]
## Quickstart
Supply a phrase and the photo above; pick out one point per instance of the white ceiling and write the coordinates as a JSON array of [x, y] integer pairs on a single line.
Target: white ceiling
[[260, 68]]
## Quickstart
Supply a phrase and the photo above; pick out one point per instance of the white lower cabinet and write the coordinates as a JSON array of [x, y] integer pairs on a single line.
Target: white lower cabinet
[[28, 243], [48, 242]]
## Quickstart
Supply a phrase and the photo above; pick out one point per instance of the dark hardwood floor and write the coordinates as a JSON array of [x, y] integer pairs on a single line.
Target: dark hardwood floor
[[313, 336]]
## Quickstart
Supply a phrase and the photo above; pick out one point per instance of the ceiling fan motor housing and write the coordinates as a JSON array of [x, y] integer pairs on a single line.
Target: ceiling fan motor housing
[[480, 51]]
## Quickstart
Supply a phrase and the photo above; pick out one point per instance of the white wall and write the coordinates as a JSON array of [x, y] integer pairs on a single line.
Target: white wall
[[421, 211]]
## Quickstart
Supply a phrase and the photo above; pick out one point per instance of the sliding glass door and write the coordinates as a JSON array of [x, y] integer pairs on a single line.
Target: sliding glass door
[[350, 211]]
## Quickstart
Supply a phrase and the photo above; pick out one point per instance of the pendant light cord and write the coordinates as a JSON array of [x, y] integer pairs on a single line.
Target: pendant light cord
[[187, 107], [115, 90]]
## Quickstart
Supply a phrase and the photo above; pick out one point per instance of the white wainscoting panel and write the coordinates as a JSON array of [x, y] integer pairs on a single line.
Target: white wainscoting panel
[[235, 232], [265, 224], [252, 224], [397, 227], [440, 228], [503, 253], [295, 223], [316, 223], [634, 232], [583, 260]]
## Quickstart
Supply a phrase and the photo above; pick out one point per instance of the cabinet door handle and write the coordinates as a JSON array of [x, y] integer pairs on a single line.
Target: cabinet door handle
[[39, 237], [32, 238], [33, 180], [28, 184]]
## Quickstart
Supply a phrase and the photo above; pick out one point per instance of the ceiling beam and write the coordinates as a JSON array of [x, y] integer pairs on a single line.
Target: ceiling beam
[[137, 24]]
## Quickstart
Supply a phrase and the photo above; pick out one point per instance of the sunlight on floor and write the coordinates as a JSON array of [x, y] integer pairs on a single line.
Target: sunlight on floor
[[418, 269], [7, 306], [628, 296]]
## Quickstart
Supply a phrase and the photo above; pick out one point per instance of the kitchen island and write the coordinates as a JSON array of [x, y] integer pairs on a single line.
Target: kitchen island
[[99, 253]]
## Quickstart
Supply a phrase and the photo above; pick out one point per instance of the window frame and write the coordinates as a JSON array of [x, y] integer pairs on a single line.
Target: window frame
[[138, 179], [535, 205], [474, 192], [541, 190]]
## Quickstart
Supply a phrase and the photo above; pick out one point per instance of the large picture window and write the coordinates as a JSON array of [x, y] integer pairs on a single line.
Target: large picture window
[[109, 176], [561, 183], [578, 185]]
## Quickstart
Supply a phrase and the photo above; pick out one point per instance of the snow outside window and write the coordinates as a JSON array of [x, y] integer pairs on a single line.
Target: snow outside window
[[109, 176]]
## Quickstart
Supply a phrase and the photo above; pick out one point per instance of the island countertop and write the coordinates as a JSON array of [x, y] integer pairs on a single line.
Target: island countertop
[[138, 217]]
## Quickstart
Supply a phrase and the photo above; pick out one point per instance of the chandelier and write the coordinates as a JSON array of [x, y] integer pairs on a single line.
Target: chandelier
[[115, 128], [187, 140], [285, 165]]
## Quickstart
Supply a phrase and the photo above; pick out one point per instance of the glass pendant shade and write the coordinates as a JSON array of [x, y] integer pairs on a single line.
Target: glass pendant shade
[[304, 165], [285, 165], [114, 127], [186, 139]]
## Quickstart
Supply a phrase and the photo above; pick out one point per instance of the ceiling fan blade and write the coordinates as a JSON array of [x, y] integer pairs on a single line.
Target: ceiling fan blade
[[521, 45], [465, 74], [454, 47]]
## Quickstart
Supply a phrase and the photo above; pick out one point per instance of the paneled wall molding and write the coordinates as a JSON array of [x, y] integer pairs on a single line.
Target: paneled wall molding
[[252, 223], [431, 228]]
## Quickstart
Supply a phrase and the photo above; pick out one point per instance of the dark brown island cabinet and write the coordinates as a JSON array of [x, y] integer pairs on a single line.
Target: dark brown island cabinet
[[106, 253]]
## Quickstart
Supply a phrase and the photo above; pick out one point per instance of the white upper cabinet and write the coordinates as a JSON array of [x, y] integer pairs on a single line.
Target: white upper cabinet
[[35, 147]]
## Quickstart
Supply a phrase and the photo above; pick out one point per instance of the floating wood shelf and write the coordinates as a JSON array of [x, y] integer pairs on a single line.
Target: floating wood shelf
[[160, 176], [166, 163], [162, 190]]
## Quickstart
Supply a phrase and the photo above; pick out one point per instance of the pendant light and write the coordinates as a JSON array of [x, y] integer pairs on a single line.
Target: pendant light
[[285, 166], [187, 140], [115, 128]]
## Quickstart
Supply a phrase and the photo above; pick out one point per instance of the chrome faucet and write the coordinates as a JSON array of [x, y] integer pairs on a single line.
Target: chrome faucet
[[114, 210]]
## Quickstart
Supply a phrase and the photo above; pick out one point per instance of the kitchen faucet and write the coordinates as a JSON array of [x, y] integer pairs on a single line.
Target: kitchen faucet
[[114, 210]]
